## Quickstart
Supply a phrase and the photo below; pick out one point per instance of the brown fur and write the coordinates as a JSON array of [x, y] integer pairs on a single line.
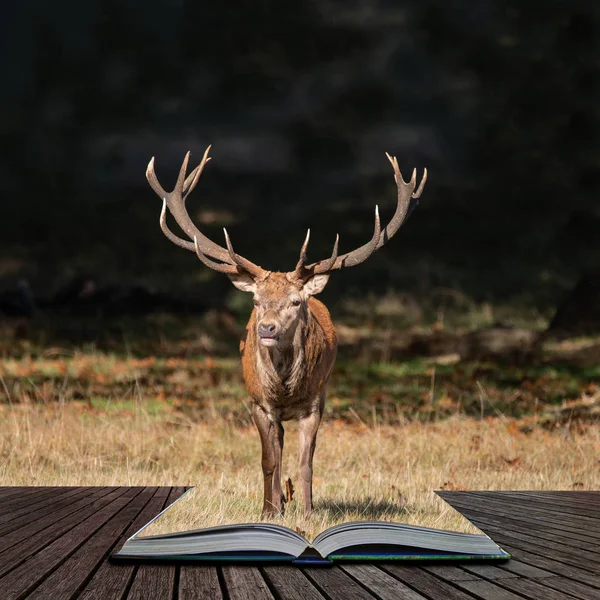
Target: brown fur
[[288, 388], [290, 344], [287, 381]]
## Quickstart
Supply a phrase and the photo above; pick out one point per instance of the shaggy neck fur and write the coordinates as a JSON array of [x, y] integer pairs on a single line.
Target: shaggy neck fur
[[283, 371]]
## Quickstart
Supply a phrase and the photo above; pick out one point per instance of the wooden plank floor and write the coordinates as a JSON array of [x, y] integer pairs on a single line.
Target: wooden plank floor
[[55, 543]]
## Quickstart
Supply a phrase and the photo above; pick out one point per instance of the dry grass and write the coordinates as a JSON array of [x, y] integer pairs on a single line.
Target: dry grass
[[361, 472], [394, 431]]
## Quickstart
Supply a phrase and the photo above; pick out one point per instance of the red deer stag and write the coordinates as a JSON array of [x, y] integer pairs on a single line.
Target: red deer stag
[[290, 344]]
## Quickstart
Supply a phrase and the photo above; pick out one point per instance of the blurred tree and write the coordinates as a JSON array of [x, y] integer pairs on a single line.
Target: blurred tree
[[499, 100]]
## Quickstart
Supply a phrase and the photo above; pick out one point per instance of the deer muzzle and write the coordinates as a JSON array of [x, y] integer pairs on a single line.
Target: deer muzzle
[[268, 333]]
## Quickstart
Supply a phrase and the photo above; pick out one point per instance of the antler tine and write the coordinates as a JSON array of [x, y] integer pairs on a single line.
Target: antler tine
[[194, 176], [328, 265], [170, 235], [242, 262], [418, 193], [300, 264], [176, 203], [350, 259], [221, 267], [153, 180], [182, 172], [303, 272], [406, 192], [205, 248]]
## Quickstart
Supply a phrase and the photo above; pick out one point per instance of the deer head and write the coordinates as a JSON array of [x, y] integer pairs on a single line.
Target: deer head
[[280, 299]]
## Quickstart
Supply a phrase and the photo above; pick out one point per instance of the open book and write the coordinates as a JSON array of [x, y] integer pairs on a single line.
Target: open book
[[266, 542]]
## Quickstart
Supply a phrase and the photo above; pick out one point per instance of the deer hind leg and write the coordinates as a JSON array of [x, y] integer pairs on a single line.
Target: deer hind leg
[[307, 429], [271, 439]]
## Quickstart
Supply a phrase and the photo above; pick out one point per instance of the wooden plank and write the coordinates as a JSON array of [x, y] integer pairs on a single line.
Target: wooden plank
[[245, 583], [475, 511], [582, 494], [47, 502], [540, 533], [503, 588], [8, 528], [50, 505], [585, 499], [489, 572], [576, 540], [27, 576], [487, 525], [335, 584], [154, 583], [500, 508], [199, 583], [524, 570], [543, 503], [591, 580], [494, 506], [534, 589], [449, 573], [548, 563], [527, 507], [550, 508], [543, 550], [113, 579], [290, 583], [381, 584], [19, 546], [489, 590], [589, 498], [21, 501], [540, 559], [78, 568], [558, 551], [7, 491], [557, 576], [149, 578], [575, 588], [426, 583]]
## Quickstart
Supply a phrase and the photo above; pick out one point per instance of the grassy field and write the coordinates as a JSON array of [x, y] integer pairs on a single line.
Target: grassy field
[[393, 431], [361, 471]]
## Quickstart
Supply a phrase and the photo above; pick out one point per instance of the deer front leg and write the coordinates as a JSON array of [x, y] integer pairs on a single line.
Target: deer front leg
[[307, 430], [271, 439]]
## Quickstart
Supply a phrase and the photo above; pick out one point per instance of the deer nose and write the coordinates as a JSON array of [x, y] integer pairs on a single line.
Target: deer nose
[[267, 329]]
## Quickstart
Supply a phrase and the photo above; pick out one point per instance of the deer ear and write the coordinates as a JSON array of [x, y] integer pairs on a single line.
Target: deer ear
[[316, 284], [243, 282]]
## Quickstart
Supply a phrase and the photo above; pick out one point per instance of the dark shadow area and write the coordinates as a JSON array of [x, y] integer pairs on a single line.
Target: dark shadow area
[[369, 510], [499, 101]]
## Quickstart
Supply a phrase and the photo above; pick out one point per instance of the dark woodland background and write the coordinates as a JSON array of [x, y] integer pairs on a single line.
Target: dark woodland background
[[499, 100]]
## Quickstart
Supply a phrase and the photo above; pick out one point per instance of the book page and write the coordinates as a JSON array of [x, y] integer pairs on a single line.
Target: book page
[[366, 490], [199, 509]]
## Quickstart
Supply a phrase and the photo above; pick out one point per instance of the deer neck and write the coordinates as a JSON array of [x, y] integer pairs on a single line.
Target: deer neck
[[284, 371]]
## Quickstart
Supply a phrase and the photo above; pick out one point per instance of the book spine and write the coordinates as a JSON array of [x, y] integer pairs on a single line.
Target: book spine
[[312, 561]]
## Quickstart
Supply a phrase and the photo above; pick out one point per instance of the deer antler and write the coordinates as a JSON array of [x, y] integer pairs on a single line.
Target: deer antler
[[204, 248], [406, 192]]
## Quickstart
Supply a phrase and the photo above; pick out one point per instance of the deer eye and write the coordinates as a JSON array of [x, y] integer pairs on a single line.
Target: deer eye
[[256, 302], [296, 302]]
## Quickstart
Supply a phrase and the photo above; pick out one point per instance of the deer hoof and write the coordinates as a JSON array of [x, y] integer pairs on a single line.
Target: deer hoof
[[273, 511]]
